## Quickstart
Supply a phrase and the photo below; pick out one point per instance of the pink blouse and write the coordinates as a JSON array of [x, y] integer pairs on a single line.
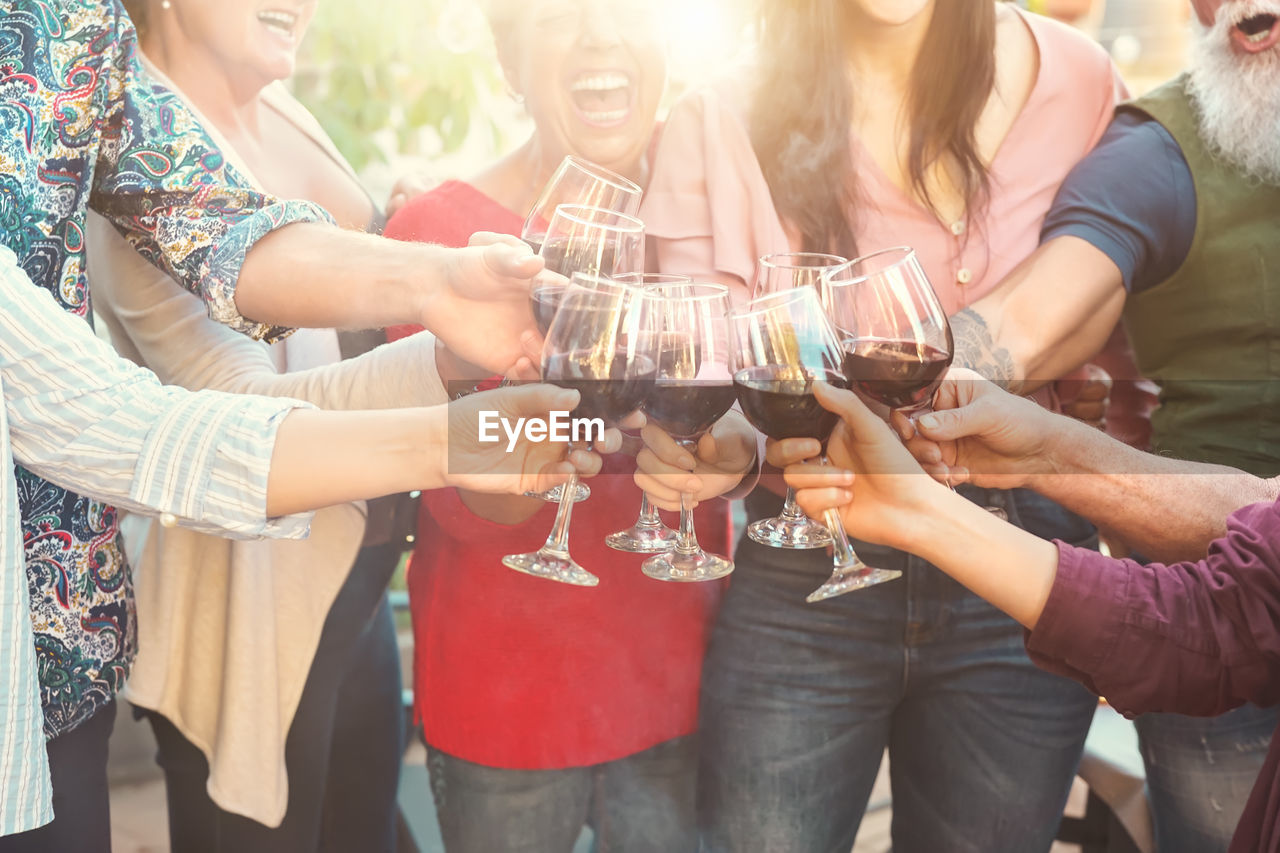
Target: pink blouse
[[710, 213]]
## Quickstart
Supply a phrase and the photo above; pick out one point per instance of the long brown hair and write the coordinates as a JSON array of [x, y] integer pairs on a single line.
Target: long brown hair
[[803, 105]]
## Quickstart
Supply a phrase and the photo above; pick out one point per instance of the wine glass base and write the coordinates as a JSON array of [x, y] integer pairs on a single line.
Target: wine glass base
[[801, 534], [551, 566], [853, 579], [553, 495], [686, 568], [643, 540]]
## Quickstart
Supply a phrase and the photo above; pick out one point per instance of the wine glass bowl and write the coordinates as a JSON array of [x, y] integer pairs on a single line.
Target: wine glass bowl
[[782, 271], [894, 331], [579, 181]]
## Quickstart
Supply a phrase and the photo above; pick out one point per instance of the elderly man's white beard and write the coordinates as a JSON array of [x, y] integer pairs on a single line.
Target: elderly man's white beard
[[1237, 95]]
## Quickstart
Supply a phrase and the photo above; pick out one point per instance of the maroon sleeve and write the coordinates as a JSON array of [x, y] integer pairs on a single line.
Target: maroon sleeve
[[1194, 638]]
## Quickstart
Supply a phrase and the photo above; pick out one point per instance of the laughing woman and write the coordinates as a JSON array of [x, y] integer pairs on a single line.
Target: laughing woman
[[546, 706], [875, 123]]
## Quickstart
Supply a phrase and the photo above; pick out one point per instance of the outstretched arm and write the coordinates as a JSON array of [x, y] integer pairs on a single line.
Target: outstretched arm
[[1053, 313], [1166, 508]]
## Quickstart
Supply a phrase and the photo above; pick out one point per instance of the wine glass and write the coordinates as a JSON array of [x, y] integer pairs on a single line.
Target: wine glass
[[784, 270], [783, 343], [581, 239], [601, 343], [648, 535], [894, 332], [692, 389], [780, 273], [579, 181]]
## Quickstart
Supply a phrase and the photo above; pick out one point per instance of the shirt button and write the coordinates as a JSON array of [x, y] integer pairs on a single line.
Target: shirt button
[[964, 276], [957, 227], [168, 519]]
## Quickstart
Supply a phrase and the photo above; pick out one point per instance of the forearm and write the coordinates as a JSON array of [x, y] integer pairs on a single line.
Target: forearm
[[1003, 564], [1047, 317], [1167, 509], [326, 458], [316, 276]]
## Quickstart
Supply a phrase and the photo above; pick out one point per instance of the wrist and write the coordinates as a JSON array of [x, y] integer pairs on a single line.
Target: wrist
[[1065, 450], [431, 461], [426, 268]]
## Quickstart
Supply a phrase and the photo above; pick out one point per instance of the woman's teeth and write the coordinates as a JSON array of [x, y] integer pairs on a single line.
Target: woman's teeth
[[602, 97], [282, 22]]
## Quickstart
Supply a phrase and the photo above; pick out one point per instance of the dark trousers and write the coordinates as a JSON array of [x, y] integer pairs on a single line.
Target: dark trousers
[[82, 815], [343, 751]]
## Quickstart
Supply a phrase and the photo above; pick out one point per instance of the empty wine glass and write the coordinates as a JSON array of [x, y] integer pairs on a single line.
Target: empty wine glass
[[781, 273], [783, 344], [692, 389], [894, 332], [581, 239], [601, 343], [648, 535], [579, 181]]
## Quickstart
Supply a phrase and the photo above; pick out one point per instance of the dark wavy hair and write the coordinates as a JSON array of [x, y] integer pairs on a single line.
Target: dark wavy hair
[[802, 108]]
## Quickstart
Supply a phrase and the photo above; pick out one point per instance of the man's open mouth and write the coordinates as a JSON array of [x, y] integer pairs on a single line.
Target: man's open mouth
[[1257, 33]]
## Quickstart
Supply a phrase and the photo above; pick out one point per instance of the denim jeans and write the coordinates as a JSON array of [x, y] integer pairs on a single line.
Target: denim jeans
[[639, 804], [1200, 772], [801, 700]]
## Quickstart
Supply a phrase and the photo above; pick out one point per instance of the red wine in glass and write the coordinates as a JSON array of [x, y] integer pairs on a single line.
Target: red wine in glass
[[546, 302], [781, 404], [898, 374], [688, 407], [625, 389]]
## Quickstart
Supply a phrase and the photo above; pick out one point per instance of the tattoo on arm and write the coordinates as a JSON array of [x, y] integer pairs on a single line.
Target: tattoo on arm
[[977, 350]]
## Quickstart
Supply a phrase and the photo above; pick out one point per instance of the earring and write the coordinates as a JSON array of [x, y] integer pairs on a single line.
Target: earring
[[165, 4]]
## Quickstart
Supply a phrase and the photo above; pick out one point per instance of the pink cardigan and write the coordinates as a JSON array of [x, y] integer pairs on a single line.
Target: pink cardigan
[[709, 210]]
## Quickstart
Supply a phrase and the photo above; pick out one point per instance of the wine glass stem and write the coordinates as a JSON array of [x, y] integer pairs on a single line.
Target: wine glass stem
[[558, 539], [790, 509], [648, 513], [687, 543], [842, 552]]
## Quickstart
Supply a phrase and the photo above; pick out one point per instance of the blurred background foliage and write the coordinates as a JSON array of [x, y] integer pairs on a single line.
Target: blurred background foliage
[[404, 79]]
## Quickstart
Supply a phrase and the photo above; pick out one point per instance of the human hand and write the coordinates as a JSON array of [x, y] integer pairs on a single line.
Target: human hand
[[1085, 395], [873, 482], [481, 309], [409, 186], [665, 469], [528, 466], [979, 434]]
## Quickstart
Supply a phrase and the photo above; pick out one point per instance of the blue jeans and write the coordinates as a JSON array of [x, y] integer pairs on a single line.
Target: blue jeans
[[800, 701], [639, 804], [1200, 772]]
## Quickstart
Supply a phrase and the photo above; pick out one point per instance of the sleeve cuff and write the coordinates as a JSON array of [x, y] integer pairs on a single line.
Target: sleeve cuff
[[207, 463], [1082, 620], [221, 269]]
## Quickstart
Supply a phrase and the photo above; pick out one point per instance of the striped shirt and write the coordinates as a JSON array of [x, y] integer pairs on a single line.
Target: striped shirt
[[80, 416]]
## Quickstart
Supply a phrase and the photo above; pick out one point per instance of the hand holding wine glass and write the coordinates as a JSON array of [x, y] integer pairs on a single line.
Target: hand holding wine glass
[[601, 344], [784, 346], [724, 456]]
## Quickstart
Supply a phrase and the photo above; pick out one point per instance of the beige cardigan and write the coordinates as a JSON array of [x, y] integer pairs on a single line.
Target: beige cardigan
[[227, 630]]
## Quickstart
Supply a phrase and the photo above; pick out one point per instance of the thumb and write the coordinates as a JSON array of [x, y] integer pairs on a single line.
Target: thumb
[[951, 424], [516, 261], [850, 409], [539, 399]]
